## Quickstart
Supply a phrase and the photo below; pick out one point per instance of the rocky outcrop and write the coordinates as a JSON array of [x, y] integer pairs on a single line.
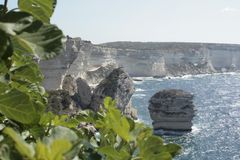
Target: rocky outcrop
[[83, 94], [171, 110], [130, 110], [78, 89], [117, 85], [55, 69], [69, 84], [76, 94], [60, 102], [83, 59], [96, 75]]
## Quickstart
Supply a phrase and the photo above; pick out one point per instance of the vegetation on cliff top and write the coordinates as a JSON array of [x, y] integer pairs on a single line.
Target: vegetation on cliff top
[[27, 131], [181, 46]]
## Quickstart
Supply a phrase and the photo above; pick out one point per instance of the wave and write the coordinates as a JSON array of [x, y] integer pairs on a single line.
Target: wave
[[139, 90], [138, 82], [195, 130], [187, 76], [139, 95]]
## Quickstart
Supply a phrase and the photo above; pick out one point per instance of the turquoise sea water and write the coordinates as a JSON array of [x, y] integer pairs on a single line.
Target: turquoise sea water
[[216, 129]]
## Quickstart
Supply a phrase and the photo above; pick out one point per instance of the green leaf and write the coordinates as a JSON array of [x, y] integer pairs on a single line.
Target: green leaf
[[173, 149], [4, 152], [113, 154], [29, 73], [53, 151], [65, 121], [5, 45], [153, 148], [151, 145], [61, 133], [31, 36], [140, 132], [115, 121], [3, 88], [37, 131], [3, 71], [17, 105], [35, 92], [59, 147], [46, 41], [22, 147], [6, 51], [41, 9], [46, 118], [42, 151], [109, 103], [159, 156]]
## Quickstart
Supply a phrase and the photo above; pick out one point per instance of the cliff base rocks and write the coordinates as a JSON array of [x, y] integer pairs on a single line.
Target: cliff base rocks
[[76, 94], [61, 102]]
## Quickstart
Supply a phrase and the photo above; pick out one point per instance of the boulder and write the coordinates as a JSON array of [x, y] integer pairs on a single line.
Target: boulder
[[171, 110], [117, 85], [68, 84], [78, 89], [83, 93], [60, 102]]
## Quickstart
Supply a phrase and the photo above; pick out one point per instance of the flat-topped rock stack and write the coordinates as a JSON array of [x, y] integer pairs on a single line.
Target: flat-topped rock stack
[[172, 111]]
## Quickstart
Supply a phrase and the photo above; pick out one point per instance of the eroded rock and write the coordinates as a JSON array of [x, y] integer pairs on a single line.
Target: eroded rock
[[117, 85], [69, 84], [61, 102], [83, 94], [96, 75], [172, 110]]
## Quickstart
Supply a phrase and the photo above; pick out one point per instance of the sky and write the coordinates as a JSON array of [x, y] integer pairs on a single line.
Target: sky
[[215, 21]]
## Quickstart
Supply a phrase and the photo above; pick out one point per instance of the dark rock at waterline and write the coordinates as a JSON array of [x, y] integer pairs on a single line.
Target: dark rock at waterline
[[117, 85], [61, 102], [138, 80], [161, 76], [171, 110], [161, 132]]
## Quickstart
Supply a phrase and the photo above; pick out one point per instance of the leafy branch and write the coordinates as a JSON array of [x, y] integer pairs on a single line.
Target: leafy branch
[[27, 131]]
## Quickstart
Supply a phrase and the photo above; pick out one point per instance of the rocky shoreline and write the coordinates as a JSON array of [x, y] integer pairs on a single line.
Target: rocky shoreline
[[75, 94], [83, 59], [84, 74]]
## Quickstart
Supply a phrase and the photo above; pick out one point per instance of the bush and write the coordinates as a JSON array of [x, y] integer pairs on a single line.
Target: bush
[[27, 131]]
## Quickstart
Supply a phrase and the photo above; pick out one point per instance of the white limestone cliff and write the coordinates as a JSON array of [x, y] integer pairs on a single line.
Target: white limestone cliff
[[140, 59]]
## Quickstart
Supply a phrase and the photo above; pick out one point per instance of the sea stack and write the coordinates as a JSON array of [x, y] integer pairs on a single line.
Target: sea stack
[[119, 86], [172, 111]]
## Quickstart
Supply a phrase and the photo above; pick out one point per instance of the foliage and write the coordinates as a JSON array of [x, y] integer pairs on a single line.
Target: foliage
[[27, 131]]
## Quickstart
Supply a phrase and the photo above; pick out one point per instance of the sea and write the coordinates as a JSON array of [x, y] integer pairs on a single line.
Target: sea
[[215, 133]]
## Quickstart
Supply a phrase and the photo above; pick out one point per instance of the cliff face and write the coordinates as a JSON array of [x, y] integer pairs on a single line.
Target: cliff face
[[141, 59], [175, 59]]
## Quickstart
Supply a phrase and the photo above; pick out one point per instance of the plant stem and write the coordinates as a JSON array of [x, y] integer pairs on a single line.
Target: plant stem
[[5, 4]]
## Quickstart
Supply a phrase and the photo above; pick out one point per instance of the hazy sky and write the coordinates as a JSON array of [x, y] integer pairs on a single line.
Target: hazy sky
[[150, 20]]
